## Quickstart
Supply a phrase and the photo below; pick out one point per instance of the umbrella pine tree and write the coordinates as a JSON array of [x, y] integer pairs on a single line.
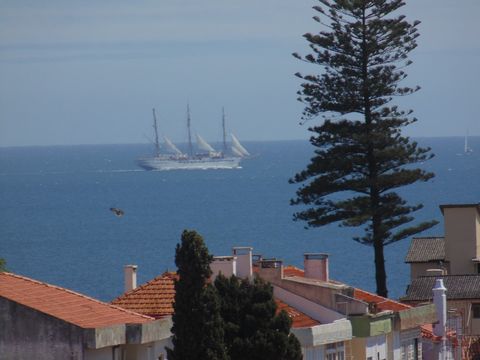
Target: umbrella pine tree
[[361, 156]]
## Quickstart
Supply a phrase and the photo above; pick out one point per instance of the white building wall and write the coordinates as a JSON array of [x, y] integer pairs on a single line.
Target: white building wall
[[313, 353], [315, 311], [377, 348], [396, 351]]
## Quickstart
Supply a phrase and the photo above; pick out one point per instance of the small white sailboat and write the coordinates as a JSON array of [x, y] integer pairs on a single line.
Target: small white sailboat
[[467, 149]]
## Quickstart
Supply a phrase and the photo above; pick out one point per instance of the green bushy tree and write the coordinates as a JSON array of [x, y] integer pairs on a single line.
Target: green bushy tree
[[253, 330], [197, 324]]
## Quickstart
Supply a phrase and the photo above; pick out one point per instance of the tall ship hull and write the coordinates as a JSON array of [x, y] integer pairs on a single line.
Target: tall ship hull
[[159, 163]]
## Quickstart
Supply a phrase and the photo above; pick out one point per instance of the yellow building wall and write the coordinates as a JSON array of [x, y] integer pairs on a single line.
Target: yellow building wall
[[462, 234], [358, 346]]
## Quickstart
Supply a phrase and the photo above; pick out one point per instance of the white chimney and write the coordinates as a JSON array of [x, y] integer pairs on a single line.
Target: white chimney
[[316, 266], [130, 272], [440, 301], [227, 265], [244, 261]]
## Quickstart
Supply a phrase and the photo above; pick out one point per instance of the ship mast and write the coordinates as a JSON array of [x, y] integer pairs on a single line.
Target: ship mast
[[157, 145], [224, 133], [190, 147]]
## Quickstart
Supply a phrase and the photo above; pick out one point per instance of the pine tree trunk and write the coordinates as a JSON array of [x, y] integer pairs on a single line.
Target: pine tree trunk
[[380, 274]]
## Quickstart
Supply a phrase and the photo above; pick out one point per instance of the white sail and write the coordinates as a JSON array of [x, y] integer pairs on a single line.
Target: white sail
[[467, 149], [171, 146], [203, 145], [237, 148], [236, 152]]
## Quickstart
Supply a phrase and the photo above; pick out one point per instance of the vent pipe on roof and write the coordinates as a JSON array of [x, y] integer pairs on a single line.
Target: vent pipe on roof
[[130, 272], [440, 301], [435, 272], [316, 266]]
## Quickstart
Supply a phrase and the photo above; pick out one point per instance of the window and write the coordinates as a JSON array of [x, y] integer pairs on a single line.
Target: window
[[476, 310], [335, 351]]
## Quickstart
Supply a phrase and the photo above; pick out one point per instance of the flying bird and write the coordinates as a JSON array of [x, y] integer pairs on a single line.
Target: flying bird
[[118, 212]]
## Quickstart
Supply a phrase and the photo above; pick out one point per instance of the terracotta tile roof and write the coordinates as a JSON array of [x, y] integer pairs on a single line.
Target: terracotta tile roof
[[458, 287], [299, 319], [65, 304], [154, 298], [380, 302], [425, 249], [293, 271]]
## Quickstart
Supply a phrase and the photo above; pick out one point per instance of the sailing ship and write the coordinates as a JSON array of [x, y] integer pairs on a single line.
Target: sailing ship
[[207, 158], [467, 149]]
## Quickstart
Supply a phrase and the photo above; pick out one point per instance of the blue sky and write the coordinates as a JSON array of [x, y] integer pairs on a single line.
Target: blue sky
[[88, 72]]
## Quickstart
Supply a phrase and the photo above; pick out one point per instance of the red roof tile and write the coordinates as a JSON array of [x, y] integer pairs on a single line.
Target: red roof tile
[[65, 304], [154, 298], [293, 271], [299, 319], [380, 302]]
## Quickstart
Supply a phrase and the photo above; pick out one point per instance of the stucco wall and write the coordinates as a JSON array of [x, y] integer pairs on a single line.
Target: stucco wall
[[310, 308], [461, 229], [29, 334], [420, 269], [148, 351], [463, 308]]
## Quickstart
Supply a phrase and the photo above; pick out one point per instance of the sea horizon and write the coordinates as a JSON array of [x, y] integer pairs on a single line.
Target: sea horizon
[[55, 223]]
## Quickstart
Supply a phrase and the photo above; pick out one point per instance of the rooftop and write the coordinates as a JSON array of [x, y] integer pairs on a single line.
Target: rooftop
[[293, 271], [299, 319], [380, 302], [65, 304], [154, 298], [426, 249], [458, 287], [454, 206]]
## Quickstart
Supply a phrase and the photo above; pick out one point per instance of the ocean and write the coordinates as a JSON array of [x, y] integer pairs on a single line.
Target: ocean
[[56, 226]]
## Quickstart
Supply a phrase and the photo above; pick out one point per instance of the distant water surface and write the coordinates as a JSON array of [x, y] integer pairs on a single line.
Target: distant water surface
[[55, 223]]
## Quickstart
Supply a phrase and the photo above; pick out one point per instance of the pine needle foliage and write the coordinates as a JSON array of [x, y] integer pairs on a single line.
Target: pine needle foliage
[[3, 265], [253, 330], [361, 156], [197, 323]]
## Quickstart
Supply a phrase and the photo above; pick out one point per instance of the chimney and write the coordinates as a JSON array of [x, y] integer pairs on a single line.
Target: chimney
[[244, 261], [316, 266], [440, 301], [130, 272], [227, 265], [271, 270]]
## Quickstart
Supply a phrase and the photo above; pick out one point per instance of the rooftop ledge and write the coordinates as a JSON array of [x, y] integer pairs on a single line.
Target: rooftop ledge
[[339, 330], [316, 282]]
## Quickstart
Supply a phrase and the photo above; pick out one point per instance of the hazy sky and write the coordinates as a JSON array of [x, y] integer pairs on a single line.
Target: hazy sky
[[83, 72]]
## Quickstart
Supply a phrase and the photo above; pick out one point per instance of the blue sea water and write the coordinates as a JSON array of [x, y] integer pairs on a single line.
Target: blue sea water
[[55, 223]]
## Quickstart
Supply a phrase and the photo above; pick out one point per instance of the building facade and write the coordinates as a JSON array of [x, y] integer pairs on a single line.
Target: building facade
[[42, 321]]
